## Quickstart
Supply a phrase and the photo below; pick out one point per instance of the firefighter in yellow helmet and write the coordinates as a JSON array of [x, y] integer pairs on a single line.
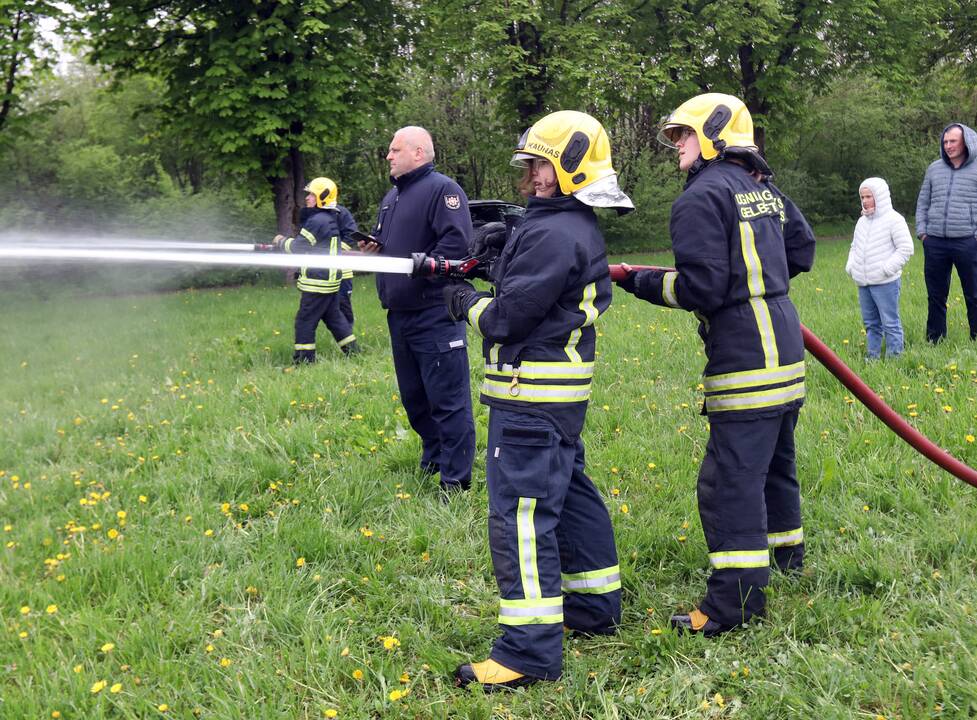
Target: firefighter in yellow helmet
[[326, 227], [737, 242], [550, 534]]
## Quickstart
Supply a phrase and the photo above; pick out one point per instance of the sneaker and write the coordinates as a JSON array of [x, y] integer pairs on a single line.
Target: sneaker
[[698, 622], [491, 676]]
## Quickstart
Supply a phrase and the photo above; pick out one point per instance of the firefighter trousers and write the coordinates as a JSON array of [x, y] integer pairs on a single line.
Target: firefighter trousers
[[313, 309], [346, 300], [552, 544], [749, 504]]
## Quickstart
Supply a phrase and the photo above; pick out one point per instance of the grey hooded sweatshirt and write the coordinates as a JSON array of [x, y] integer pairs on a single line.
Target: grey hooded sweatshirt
[[947, 203]]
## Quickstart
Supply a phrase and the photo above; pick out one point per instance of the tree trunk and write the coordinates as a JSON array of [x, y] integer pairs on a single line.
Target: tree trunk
[[296, 161], [11, 78], [289, 196]]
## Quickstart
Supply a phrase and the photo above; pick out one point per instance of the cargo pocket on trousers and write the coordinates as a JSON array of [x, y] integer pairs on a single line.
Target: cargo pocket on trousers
[[525, 460]]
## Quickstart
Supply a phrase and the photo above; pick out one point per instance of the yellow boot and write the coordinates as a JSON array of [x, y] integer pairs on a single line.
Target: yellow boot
[[491, 676]]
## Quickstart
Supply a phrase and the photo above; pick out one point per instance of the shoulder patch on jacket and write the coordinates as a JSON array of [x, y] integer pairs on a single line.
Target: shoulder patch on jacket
[[452, 202]]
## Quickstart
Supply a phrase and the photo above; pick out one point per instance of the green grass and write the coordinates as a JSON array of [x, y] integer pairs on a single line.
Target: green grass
[[181, 411]]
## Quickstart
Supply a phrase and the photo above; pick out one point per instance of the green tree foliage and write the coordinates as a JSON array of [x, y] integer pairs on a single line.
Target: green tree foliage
[[259, 84], [24, 52], [770, 51]]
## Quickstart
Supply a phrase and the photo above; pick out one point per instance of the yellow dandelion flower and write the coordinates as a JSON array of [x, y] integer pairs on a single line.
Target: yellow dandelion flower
[[395, 695], [656, 631], [330, 713], [116, 689], [719, 700], [98, 687], [121, 514], [208, 533], [625, 509], [25, 610], [300, 562], [209, 648], [404, 678], [162, 707], [344, 652], [218, 633], [390, 642], [143, 499], [969, 438], [51, 609], [357, 674], [112, 533], [107, 647], [225, 662], [77, 668], [615, 492], [55, 714]]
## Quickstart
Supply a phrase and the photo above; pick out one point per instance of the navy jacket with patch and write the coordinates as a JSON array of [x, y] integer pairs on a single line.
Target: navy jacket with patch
[[737, 242], [552, 282], [425, 212]]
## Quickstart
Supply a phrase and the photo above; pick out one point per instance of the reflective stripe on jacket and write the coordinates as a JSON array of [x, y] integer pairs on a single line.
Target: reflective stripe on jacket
[[737, 243], [539, 337]]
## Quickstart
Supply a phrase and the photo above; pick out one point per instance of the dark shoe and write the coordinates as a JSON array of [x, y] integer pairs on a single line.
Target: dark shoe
[[351, 348], [698, 622], [491, 676]]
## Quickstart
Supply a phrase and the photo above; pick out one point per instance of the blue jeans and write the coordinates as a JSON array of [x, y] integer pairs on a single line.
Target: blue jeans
[[880, 313], [940, 256]]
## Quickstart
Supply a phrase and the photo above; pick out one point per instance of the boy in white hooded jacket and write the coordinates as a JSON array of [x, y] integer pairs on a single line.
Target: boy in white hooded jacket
[[882, 245]]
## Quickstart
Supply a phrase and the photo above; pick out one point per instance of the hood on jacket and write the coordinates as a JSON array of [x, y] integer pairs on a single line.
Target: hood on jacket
[[969, 140], [880, 191]]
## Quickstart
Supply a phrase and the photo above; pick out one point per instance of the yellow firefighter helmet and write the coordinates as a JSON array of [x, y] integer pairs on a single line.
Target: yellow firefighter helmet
[[580, 152], [719, 122], [325, 191]]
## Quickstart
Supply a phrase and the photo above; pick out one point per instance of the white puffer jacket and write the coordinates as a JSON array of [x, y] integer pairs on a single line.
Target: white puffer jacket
[[882, 244]]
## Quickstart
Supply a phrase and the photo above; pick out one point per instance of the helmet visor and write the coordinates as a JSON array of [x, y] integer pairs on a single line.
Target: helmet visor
[[522, 159], [671, 133]]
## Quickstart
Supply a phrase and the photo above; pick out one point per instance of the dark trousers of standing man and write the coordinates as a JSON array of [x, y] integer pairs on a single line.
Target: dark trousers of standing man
[[552, 544], [431, 361], [346, 300], [940, 256], [749, 502], [313, 309]]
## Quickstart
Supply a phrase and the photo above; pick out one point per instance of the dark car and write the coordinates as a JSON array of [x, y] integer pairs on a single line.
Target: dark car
[[486, 211]]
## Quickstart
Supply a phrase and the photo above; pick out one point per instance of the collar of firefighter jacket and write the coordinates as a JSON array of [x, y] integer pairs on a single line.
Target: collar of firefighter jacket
[[409, 177], [554, 204]]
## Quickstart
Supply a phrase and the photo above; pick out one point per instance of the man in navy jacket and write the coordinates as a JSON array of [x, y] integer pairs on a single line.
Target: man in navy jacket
[[427, 212]]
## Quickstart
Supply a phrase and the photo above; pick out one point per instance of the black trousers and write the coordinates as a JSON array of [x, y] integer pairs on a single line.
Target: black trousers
[[313, 309], [749, 503]]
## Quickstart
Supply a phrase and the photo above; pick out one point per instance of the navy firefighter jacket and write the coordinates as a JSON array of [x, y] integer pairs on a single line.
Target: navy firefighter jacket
[[552, 282], [425, 212], [737, 242], [323, 232]]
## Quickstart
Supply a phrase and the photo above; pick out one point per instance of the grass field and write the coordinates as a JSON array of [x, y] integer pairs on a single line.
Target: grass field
[[191, 528]]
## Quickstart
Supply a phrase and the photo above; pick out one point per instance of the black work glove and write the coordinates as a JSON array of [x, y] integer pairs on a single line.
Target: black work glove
[[490, 236], [456, 297]]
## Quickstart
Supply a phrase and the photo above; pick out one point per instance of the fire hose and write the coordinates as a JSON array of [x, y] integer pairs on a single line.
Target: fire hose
[[421, 265], [865, 394]]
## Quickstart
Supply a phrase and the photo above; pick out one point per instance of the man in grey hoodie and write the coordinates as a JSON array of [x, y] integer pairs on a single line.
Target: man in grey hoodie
[[946, 223]]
